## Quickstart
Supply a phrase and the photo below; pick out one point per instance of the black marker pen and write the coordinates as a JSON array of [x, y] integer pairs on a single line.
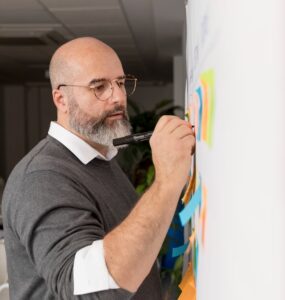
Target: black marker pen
[[133, 138]]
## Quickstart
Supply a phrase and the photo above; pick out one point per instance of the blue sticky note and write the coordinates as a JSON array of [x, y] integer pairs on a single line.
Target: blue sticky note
[[179, 250], [188, 211]]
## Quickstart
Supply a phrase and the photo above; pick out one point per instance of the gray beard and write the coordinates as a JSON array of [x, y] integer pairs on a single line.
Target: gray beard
[[96, 129]]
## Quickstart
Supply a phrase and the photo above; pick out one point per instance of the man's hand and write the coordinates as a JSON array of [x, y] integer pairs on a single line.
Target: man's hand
[[172, 144], [145, 227]]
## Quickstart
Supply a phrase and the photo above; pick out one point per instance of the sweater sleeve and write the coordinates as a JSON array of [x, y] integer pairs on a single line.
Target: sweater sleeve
[[55, 218]]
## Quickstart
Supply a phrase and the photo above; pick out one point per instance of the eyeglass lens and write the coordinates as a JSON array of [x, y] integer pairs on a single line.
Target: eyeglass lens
[[103, 89]]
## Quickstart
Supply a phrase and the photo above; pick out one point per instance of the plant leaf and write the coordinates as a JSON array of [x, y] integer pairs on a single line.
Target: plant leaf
[[140, 188], [150, 175]]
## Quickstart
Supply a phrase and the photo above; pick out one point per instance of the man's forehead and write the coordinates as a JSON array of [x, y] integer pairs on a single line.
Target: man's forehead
[[95, 80], [82, 60], [95, 68], [86, 52]]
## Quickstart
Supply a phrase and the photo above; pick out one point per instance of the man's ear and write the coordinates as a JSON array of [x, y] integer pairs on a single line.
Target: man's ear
[[60, 100]]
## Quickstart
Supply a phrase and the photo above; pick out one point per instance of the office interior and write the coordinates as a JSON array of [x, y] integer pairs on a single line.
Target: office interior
[[149, 37]]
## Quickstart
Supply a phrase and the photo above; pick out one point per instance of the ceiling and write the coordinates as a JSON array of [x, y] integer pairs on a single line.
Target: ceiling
[[145, 33]]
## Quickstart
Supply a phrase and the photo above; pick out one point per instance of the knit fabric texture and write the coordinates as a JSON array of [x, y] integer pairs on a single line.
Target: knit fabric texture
[[53, 205]]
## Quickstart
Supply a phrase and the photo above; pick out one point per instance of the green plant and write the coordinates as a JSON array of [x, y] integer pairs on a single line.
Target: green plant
[[173, 278]]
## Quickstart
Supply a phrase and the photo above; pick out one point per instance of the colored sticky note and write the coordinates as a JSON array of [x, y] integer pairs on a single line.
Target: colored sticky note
[[195, 259], [179, 250], [196, 113], [200, 100], [205, 117], [188, 293], [187, 285], [187, 277], [203, 214], [208, 78], [192, 237], [189, 189], [204, 107], [186, 214]]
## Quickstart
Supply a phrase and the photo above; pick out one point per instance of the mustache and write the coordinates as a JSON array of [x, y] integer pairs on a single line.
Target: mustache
[[117, 109], [97, 123]]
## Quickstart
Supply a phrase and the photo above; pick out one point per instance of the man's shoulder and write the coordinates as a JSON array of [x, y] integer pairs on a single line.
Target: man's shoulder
[[47, 156], [48, 160]]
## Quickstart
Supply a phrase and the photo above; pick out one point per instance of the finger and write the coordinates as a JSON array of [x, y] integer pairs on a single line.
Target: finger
[[163, 121], [192, 142], [173, 124], [182, 130], [183, 124], [186, 135]]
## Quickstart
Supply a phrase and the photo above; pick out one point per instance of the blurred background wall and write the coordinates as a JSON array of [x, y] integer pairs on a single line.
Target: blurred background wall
[[148, 36]]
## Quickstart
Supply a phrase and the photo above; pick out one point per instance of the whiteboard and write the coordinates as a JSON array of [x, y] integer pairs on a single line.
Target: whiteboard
[[236, 53]]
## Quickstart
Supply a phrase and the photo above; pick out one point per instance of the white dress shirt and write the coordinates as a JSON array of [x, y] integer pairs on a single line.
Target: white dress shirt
[[90, 271]]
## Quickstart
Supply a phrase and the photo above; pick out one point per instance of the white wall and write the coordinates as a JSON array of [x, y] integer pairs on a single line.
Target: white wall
[[243, 169]]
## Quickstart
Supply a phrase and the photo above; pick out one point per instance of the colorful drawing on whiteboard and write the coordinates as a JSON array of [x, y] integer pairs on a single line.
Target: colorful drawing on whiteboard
[[195, 211], [202, 107], [187, 285], [200, 113]]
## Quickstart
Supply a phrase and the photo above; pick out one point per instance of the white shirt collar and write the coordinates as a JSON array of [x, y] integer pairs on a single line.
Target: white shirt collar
[[83, 151]]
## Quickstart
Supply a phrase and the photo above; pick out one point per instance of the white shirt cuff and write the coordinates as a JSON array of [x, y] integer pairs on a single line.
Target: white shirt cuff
[[90, 271]]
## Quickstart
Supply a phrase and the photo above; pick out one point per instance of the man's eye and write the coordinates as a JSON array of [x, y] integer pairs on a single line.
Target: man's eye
[[120, 83], [101, 86]]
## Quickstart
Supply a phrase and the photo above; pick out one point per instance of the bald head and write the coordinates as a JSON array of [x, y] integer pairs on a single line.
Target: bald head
[[70, 61]]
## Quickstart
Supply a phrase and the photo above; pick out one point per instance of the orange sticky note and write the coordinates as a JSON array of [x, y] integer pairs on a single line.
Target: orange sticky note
[[191, 185], [188, 293], [189, 190], [192, 237], [188, 277], [187, 285]]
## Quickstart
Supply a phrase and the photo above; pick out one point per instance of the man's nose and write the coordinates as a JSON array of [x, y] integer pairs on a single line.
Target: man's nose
[[118, 94]]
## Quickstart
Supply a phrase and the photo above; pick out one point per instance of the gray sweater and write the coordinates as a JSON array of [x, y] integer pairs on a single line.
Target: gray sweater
[[54, 205]]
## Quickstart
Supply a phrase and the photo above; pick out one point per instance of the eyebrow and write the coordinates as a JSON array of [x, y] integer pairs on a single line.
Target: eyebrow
[[95, 80]]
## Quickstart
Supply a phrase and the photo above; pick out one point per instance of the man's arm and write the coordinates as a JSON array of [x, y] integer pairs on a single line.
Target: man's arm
[[132, 247]]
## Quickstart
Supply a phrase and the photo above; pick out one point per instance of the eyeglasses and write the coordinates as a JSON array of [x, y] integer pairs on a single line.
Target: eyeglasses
[[103, 88]]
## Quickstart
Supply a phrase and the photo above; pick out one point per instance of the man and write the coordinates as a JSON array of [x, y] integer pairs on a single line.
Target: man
[[74, 228]]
